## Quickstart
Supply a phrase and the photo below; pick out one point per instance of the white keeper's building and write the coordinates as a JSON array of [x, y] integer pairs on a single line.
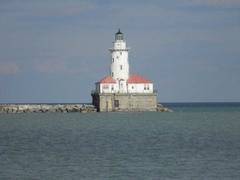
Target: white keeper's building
[[120, 91]]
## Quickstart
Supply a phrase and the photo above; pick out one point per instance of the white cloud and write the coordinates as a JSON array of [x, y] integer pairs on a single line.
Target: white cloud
[[215, 3], [8, 68], [59, 66], [46, 8], [51, 66]]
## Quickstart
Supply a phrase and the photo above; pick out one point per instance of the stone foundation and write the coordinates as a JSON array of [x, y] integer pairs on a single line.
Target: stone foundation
[[105, 102]]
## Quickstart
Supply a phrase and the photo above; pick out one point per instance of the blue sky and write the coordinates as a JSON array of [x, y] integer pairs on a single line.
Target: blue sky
[[54, 51]]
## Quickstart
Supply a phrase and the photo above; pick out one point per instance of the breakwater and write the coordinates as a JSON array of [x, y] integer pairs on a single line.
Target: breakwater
[[61, 108], [161, 108], [44, 108]]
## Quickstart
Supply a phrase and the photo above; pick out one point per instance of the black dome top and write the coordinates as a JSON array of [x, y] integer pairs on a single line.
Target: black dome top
[[119, 35], [119, 32]]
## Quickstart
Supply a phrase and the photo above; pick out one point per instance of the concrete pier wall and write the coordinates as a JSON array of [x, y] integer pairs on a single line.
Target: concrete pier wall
[[125, 101]]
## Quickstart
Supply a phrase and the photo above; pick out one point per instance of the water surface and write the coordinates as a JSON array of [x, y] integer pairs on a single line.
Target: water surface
[[179, 145]]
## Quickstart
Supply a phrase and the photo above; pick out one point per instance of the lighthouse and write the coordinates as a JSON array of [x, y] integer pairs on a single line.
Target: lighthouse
[[119, 62], [120, 90]]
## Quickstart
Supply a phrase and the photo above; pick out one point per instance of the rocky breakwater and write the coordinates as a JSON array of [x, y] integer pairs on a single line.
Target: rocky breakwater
[[161, 108], [44, 108]]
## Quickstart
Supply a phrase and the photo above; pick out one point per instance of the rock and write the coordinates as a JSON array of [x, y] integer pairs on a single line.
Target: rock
[[42, 108], [159, 105], [163, 109]]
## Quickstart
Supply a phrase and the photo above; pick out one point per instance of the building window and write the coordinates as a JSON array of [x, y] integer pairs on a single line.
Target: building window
[[116, 103], [146, 86], [112, 74], [132, 87], [112, 88], [120, 52], [121, 67], [117, 57], [105, 86], [112, 59]]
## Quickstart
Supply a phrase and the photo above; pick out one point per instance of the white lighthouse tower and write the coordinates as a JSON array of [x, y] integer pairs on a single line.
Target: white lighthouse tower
[[120, 65], [120, 91]]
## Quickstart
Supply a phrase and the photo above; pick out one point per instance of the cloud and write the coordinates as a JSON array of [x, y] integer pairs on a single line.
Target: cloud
[[46, 8], [60, 66], [215, 3], [51, 66], [8, 68]]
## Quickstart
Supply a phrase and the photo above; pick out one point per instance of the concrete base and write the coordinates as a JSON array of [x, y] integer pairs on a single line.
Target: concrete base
[[107, 102]]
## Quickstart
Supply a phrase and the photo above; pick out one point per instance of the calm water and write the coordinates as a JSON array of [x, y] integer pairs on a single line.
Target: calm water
[[195, 142]]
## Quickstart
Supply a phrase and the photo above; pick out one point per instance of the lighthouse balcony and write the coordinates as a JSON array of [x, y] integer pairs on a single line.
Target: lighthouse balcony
[[95, 92], [119, 49]]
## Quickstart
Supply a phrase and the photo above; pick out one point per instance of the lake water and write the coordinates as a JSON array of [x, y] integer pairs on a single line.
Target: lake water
[[197, 142]]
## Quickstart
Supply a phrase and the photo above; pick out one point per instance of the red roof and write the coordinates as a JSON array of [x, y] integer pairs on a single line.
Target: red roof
[[135, 79], [107, 79]]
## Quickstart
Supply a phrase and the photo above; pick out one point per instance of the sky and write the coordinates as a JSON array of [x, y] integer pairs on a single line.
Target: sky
[[53, 51]]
